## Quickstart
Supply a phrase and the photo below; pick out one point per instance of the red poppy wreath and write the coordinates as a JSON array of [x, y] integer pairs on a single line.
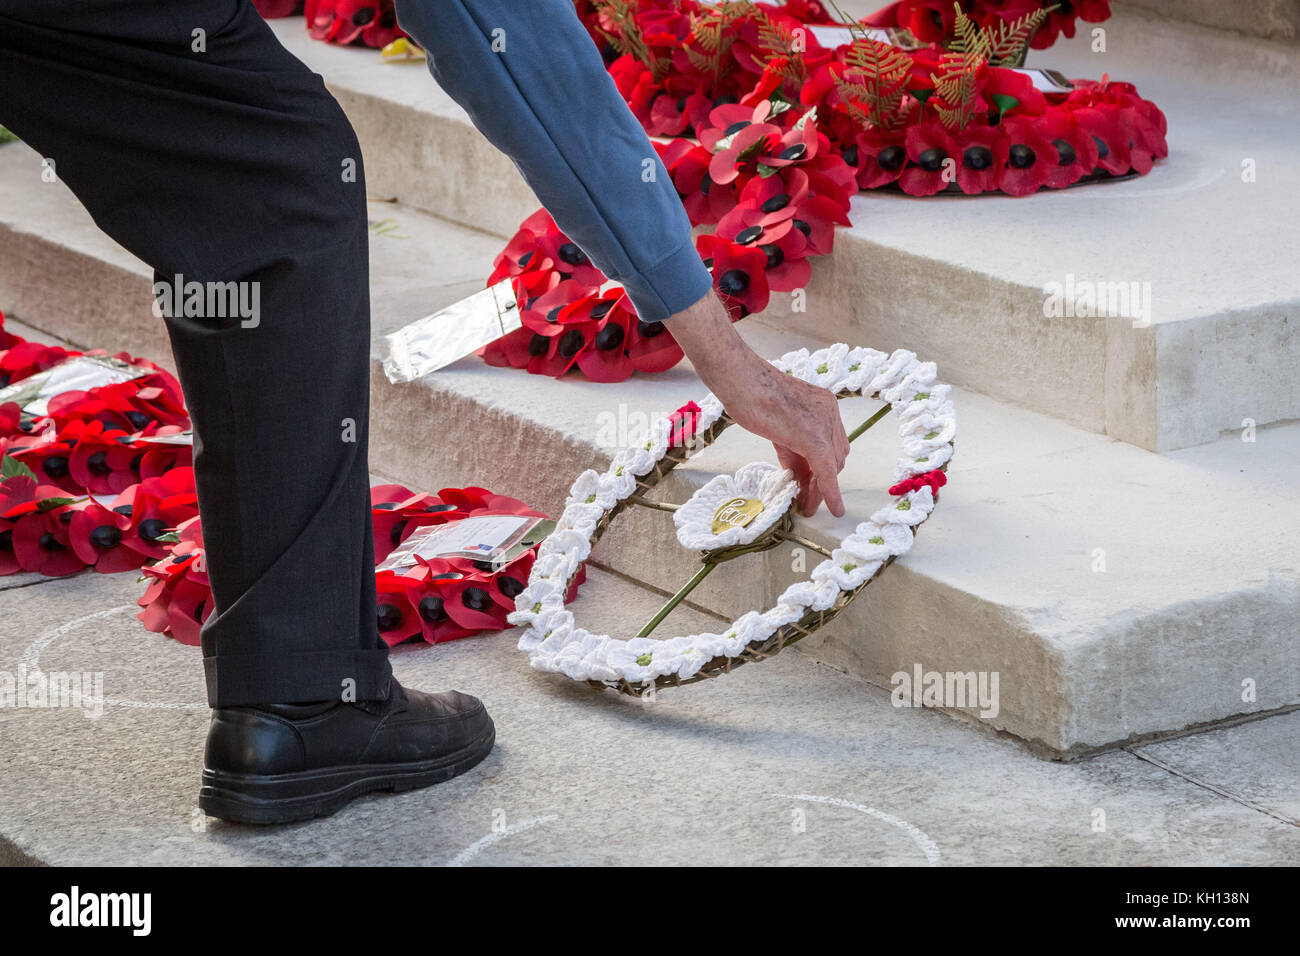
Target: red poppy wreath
[[420, 596], [777, 116], [94, 459]]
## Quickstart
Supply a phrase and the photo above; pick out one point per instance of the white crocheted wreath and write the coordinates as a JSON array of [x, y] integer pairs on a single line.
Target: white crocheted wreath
[[739, 513]]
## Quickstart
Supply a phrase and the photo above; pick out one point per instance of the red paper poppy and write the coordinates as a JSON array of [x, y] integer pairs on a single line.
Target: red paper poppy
[[398, 618], [610, 319], [158, 458], [983, 154], [559, 333], [100, 463], [157, 506], [880, 157], [41, 543], [785, 246], [688, 164], [179, 598], [653, 348], [1030, 157], [189, 605], [1010, 92], [8, 560], [372, 22], [50, 460], [96, 536], [1076, 151], [396, 513], [678, 107], [935, 156], [1110, 136], [928, 20], [739, 274]]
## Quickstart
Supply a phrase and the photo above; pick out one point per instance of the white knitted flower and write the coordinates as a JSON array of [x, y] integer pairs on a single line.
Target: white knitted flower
[[533, 600], [825, 368], [636, 461], [872, 541], [864, 365], [927, 433], [710, 411], [935, 402], [845, 570], [915, 382], [557, 566], [576, 541], [590, 490], [790, 359], [544, 626], [900, 363], [815, 595], [911, 509], [769, 484]]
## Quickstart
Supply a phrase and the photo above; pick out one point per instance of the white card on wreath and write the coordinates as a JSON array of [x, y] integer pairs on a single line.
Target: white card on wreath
[[479, 538]]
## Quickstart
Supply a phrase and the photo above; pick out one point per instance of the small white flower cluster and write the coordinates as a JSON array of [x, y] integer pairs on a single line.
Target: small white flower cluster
[[555, 642]]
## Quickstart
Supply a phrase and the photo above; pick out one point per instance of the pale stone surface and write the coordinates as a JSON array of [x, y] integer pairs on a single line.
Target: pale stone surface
[[61, 273], [1254, 762], [1268, 19], [784, 762]]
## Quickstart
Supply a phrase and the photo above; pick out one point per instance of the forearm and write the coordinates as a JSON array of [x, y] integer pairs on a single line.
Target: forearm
[[706, 334]]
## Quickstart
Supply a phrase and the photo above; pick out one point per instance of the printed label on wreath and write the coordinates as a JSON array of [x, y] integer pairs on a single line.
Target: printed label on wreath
[[491, 538], [735, 513]]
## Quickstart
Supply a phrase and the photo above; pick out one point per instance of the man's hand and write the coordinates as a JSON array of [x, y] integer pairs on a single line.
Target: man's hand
[[801, 420]]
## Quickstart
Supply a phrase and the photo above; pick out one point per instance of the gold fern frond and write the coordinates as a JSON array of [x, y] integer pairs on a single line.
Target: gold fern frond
[[874, 81], [1009, 40], [954, 84], [622, 13], [777, 41]]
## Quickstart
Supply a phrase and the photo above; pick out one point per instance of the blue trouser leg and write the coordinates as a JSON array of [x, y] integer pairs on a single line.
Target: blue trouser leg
[[544, 99]]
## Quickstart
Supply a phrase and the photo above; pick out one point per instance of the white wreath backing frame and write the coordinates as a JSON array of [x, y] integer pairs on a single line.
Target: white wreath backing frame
[[555, 642]]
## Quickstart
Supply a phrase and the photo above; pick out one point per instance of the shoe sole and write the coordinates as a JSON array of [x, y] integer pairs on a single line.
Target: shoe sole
[[307, 795]]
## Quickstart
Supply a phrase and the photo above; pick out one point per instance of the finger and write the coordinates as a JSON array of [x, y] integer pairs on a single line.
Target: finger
[[802, 474], [829, 487]]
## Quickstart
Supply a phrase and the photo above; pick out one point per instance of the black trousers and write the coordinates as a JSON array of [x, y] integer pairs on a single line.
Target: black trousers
[[202, 146]]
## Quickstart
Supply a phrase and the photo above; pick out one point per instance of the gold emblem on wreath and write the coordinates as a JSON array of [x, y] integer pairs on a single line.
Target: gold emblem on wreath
[[735, 513]]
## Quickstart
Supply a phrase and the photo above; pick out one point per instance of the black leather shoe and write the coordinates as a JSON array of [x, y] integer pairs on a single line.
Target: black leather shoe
[[284, 762]]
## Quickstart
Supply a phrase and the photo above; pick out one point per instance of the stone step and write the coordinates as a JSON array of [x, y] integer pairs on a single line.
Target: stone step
[[1255, 19], [787, 762], [1199, 590], [965, 280]]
